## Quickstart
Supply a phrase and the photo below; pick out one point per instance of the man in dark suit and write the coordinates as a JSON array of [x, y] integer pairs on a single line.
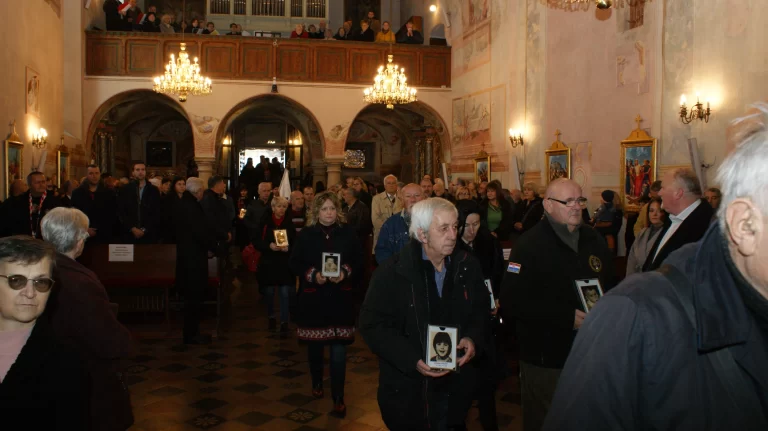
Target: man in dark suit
[[21, 214], [98, 203], [689, 215], [138, 208]]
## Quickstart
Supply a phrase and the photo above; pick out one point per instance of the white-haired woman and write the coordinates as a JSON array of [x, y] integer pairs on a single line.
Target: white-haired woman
[[79, 311], [274, 276], [325, 310]]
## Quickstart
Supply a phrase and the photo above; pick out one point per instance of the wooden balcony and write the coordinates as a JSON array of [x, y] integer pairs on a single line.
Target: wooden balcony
[[137, 54]]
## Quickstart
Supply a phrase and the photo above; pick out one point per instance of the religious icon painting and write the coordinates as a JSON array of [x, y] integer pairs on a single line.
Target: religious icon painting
[[637, 168], [281, 238], [589, 292], [441, 347], [14, 164], [63, 166], [482, 167], [558, 160], [331, 265]]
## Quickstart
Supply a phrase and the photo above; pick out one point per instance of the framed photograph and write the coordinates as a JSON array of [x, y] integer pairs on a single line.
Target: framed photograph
[[331, 265], [637, 168], [14, 164], [62, 166], [281, 238], [441, 347], [482, 167], [558, 160], [590, 291], [490, 290], [32, 92]]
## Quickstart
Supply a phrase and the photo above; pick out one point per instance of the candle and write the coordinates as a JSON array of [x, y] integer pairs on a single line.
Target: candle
[[682, 100]]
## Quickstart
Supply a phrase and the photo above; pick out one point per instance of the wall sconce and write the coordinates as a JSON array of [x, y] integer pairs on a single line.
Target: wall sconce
[[515, 138], [433, 8], [227, 142], [40, 139], [697, 111]]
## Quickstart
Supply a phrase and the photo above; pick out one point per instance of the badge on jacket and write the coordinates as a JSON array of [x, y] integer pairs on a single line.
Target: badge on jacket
[[595, 263], [514, 268]]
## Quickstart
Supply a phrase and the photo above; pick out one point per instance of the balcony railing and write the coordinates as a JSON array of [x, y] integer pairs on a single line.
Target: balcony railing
[[136, 54], [270, 8]]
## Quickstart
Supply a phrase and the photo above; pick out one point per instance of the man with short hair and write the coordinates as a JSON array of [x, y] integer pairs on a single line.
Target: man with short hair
[[540, 292], [233, 30], [431, 282], [685, 347], [21, 215], [210, 28], [409, 35], [689, 219], [138, 205], [98, 203], [373, 23], [642, 218], [309, 195], [217, 210], [393, 235], [384, 205], [426, 188], [298, 209], [256, 210], [713, 195]]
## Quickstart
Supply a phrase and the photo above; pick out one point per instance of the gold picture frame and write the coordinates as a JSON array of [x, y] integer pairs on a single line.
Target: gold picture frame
[[638, 167], [482, 167], [63, 165], [558, 160], [13, 160]]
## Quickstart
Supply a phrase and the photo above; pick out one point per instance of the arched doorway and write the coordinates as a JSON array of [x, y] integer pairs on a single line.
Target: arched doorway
[[409, 141], [141, 125], [275, 127]]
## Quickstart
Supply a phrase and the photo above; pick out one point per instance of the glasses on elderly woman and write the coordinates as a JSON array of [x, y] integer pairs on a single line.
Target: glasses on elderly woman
[[18, 282], [571, 202]]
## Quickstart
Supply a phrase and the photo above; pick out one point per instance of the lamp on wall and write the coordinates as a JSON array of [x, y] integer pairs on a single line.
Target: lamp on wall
[[40, 139], [227, 142], [515, 138], [697, 111]]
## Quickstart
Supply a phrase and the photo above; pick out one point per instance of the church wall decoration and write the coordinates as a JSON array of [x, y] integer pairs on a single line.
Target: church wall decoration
[[638, 167], [558, 160]]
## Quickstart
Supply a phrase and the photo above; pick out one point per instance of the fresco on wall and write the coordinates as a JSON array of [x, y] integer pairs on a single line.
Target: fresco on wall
[[471, 124], [581, 171], [472, 40], [632, 66]]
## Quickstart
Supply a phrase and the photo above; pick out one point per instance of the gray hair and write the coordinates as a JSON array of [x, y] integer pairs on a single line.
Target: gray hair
[[279, 200], [64, 227], [389, 176], [195, 185], [423, 212], [530, 185], [744, 172], [688, 181]]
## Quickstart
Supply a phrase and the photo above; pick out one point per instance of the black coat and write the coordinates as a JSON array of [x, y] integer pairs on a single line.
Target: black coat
[[401, 301], [219, 217], [114, 22], [366, 36], [489, 253], [15, 218], [194, 239], [531, 214], [144, 213], [542, 296], [359, 218], [100, 207], [47, 386], [639, 363], [507, 218], [274, 269], [691, 230], [254, 214], [80, 313], [329, 305], [402, 37]]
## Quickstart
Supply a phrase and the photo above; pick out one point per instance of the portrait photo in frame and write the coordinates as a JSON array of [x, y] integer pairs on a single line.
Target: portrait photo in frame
[[331, 265], [62, 166], [590, 291], [558, 160], [441, 347], [482, 167], [281, 237], [32, 92], [637, 168], [13, 152]]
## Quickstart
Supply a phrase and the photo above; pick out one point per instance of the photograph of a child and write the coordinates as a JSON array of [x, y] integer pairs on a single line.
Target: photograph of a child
[[331, 265], [590, 292], [441, 347]]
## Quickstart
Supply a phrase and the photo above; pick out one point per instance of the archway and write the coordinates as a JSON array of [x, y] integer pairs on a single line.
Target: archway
[[141, 125], [408, 141], [271, 125]]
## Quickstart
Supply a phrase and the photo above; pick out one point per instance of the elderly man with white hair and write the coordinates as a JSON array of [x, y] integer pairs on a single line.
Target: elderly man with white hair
[[80, 312], [384, 205], [430, 282], [685, 347]]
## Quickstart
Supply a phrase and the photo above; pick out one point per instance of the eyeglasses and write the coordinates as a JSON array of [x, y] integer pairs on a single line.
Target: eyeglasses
[[571, 202], [18, 282]]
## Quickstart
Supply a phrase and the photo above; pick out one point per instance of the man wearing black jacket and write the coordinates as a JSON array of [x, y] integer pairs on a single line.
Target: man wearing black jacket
[[215, 207], [138, 208], [21, 215], [98, 203], [430, 282], [539, 291]]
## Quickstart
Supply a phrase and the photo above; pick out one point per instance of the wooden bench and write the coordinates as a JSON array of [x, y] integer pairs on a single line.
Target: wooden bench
[[153, 269]]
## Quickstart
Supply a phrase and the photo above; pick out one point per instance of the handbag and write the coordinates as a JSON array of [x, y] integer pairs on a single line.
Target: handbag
[[251, 258]]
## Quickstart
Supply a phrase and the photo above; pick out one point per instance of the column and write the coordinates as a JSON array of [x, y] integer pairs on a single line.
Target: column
[[333, 164], [319, 172], [205, 167]]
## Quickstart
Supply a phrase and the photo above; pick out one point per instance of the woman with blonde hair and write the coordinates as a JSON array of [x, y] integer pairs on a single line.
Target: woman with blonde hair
[[463, 193], [533, 210], [325, 309]]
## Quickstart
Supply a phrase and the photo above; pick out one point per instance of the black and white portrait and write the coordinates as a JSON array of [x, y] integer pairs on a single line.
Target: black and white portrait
[[441, 348], [331, 265], [590, 292]]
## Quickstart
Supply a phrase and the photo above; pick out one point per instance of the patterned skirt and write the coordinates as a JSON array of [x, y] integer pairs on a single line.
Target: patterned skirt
[[328, 335]]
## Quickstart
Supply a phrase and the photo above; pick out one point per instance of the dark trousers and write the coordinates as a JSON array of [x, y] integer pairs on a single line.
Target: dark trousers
[[338, 354], [193, 309], [537, 387], [439, 404]]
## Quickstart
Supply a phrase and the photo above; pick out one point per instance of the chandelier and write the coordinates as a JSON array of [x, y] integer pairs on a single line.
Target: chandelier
[[389, 87], [182, 77], [574, 5]]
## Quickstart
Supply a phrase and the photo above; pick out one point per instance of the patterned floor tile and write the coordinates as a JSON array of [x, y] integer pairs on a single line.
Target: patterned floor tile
[[173, 368], [251, 388], [285, 363], [297, 400], [213, 356], [166, 391], [136, 369], [289, 374], [255, 419], [209, 390], [284, 353], [133, 379], [247, 346], [206, 421], [210, 377], [208, 404], [249, 365], [144, 358], [212, 366], [302, 416], [357, 359]]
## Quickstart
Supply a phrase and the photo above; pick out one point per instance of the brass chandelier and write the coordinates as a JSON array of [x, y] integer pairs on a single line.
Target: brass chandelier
[[574, 5], [182, 77], [390, 87]]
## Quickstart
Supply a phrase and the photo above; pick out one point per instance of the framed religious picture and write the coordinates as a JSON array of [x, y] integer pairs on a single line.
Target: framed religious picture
[[281, 237], [441, 347], [558, 160], [32, 92], [62, 166], [637, 168], [13, 151], [589, 292], [331, 264], [482, 167]]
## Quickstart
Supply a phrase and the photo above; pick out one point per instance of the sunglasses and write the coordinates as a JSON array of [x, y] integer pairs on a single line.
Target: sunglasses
[[18, 282]]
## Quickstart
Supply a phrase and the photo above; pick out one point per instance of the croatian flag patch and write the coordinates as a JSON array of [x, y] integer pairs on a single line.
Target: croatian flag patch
[[513, 268]]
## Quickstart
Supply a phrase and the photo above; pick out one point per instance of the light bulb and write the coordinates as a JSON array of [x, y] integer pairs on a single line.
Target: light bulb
[[433, 8], [682, 100]]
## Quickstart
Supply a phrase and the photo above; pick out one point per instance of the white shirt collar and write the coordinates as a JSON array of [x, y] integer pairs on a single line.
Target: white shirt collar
[[684, 213]]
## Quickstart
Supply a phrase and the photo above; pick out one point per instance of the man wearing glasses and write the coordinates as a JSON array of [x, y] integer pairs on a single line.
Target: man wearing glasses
[[539, 291]]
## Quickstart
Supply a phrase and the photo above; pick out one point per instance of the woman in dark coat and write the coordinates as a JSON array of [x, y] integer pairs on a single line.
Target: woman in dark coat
[[168, 204], [325, 311], [496, 212], [533, 210], [275, 259], [242, 200]]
